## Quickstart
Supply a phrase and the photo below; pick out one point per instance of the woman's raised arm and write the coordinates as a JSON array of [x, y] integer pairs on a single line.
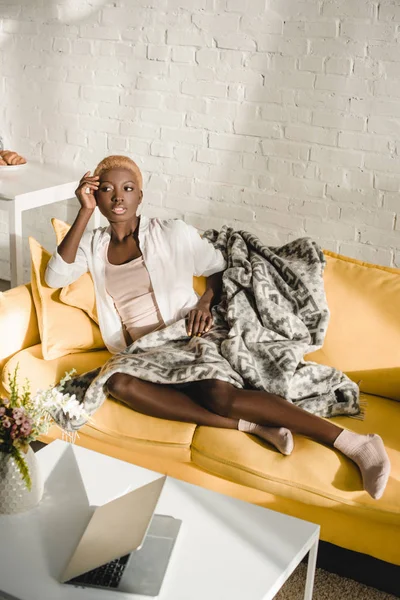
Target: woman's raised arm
[[85, 194], [69, 262]]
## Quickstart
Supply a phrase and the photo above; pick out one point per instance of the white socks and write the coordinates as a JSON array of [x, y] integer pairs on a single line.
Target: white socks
[[369, 454], [367, 451], [280, 437]]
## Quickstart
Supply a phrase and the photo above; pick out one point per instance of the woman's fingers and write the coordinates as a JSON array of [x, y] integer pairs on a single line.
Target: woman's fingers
[[190, 322], [91, 184], [194, 321], [198, 323], [209, 323], [88, 177], [86, 190], [87, 186], [87, 181], [202, 324]]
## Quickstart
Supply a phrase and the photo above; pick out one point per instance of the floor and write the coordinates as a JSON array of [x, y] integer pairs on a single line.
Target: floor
[[36, 446], [4, 285], [329, 586]]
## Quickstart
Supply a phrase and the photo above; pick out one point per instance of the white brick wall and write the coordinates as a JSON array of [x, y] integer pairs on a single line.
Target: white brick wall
[[278, 116]]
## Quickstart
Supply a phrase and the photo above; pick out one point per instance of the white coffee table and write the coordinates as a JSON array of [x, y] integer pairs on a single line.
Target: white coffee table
[[30, 186], [226, 550]]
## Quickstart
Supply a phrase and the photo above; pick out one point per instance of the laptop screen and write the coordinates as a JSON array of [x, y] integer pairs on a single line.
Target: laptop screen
[[115, 529]]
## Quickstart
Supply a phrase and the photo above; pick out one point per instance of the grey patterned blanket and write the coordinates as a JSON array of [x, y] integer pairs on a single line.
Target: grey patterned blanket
[[272, 312]]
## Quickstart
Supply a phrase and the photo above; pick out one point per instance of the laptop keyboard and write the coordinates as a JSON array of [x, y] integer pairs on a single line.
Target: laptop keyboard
[[108, 575]]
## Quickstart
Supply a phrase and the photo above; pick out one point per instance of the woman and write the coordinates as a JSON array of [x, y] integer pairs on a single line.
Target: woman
[[148, 253]]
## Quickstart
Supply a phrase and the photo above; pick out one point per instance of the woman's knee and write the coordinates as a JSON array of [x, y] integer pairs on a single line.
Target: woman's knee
[[217, 396], [117, 384]]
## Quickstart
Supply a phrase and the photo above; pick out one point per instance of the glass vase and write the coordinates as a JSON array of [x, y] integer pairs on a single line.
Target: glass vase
[[15, 497]]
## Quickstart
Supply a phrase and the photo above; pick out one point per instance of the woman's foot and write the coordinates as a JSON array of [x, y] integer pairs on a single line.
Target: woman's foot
[[280, 437], [369, 454]]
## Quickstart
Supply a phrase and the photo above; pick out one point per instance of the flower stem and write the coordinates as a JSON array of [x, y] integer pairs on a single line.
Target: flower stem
[[22, 466]]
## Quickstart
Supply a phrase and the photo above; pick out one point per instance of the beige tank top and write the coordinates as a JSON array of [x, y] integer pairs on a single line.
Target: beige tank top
[[130, 287]]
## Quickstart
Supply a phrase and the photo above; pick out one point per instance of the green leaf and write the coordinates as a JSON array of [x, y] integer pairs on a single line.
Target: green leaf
[[22, 466], [67, 376], [12, 379], [26, 393]]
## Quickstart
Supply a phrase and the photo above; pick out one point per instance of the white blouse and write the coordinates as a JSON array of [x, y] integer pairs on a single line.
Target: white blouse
[[173, 252]]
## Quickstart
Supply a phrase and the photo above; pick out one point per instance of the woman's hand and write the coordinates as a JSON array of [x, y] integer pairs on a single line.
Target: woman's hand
[[86, 189], [199, 320]]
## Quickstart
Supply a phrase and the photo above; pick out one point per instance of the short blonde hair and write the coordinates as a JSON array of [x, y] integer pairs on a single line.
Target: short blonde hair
[[119, 162]]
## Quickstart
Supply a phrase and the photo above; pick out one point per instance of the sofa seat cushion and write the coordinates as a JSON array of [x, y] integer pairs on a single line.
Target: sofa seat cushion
[[129, 430], [43, 373], [113, 421], [314, 474]]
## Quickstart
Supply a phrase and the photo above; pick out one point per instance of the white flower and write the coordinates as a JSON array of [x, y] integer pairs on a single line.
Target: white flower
[[73, 409], [53, 399]]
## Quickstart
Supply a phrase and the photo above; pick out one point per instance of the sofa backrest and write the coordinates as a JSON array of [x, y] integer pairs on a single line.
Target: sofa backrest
[[364, 328], [18, 322], [363, 337]]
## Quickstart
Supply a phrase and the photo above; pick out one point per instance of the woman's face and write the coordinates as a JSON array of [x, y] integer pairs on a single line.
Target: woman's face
[[119, 195]]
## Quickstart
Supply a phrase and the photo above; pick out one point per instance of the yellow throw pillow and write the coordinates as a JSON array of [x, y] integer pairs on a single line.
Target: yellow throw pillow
[[81, 293], [363, 337], [61, 229], [63, 329]]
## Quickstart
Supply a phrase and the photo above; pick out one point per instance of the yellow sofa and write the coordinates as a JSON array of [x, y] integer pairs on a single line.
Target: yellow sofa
[[315, 483]]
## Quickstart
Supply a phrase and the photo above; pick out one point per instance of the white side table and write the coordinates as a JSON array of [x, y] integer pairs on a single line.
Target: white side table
[[227, 549], [31, 186]]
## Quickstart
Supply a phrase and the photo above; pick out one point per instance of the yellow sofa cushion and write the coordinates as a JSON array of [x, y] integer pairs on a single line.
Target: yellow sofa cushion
[[363, 336], [18, 322], [113, 421], [314, 474], [133, 431], [43, 373], [63, 329], [81, 294]]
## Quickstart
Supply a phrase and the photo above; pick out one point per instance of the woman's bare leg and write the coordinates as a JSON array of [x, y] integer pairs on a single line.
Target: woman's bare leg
[[275, 409], [166, 402], [262, 408], [367, 451], [163, 401]]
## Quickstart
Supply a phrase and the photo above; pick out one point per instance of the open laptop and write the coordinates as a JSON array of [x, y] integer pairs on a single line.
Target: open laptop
[[125, 547]]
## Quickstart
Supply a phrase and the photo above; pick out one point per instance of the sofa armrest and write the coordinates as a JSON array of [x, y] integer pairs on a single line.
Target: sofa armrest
[[18, 322]]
